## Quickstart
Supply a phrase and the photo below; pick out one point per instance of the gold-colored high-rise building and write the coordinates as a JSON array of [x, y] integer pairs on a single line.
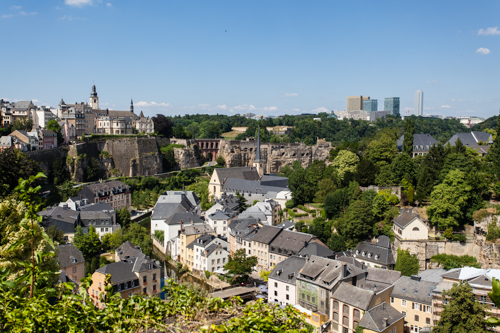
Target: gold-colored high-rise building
[[355, 103]]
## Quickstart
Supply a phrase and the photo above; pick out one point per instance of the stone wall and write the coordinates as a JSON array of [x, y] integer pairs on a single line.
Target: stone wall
[[238, 153], [46, 157], [187, 157]]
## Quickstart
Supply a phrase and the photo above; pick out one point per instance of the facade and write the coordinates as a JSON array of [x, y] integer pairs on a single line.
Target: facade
[[49, 139], [221, 175], [115, 193], [71, 262], [354, 103], [409, 226], [114, 125], [187, 235], [419, 103], [102, 221], [220, 223], [392, 104], [375, 254], [422, 143], [134, 273], [261, 245], [68, 132], [282, 281], [24, 141], [382, 318], [288, 243], [209, 253], [144, 125], [413, 298], [7, 142], [370, 105]]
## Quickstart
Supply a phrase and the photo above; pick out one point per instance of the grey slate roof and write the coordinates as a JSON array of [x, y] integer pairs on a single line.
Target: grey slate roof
[[174, 202], [69, 253], [352, 295], [373, 318], [382, 275], [266, 234], [286, 224], [472, 138], [324, 272], [99, 189], [186, 218], [94, 215], [238, 225], [290, 242], [212, 247], [6, 141], [402, 220], [218, 215], [190, 196], [64, 219], [121, 271], [197, 229], [246, 173], [128, 249], [432, 275], [352, 261], [420, 142], [274, 180], [97, 207], [287, 270], [201, 241], [384, 254], [248, 186], [412, 290], [316, 249]]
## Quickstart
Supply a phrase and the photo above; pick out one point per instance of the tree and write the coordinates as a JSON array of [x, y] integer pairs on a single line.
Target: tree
[[179, 132], [112, 241], [89, 243], [140, 236], [93, 170], [59, 174], [382, 150], [14, 164], [201, 189], [357, 222], [407, 263], [366, 172], [402, 167], [123, 217], [54, 126], [240, 264], [408, 137], [463, 313], [302, 188], [321, 229], [345, 161], [325, 187], [220, 161], [455, 200], [450, 261], [494, 153], [336, 202], [425, 184], [22, 124], [264, 275], [163, 125], [336, 243], [56, 234]]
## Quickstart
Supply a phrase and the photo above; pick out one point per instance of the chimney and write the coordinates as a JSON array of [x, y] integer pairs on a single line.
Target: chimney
[[385, 322], [344, 270], [411, 210], [416, 278], [401, 210]]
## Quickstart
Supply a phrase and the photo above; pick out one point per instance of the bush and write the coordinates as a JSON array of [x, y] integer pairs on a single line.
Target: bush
[[459, 238], [450, 261], [208, 274], [295, 210], [290, 204], [493, 232]]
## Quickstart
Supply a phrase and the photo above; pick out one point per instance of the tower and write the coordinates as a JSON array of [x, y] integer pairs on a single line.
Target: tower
[[257, 162], [354, 103], [131, 105], [419, 103], [94, 100], [392, 104]]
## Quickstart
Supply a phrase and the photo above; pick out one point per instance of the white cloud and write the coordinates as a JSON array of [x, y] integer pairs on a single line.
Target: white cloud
[[296, 110], [289, 95], [434, 82], [242, 107], [320, 109], [16, 7], [26, 13], [221, 107], [489, 31], [108, 5], [78, 3], [7, 15], [143, 103], [446, 106], [428, 108], [71, 18], [483, 50], [270, 108]]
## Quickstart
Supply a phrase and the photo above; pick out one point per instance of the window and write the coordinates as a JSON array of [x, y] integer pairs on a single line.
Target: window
[[322, 292], [416, 229], [416, 306], [313, 300], [355, 323], [130, 294], [276, 284], [100, 285], [308, 298], [322, 303], [336, 317], [154, 277], [335, 305], [144, 290], [144, 279], [74, 269], [303, 296], [392, 299], [483, 298], [427, 308], [417, 318], [345, 310], [287, 288], [428, 321], [287, 296], [345, 321], [275, 293], [356, 314], [404, 314], [403, 302]]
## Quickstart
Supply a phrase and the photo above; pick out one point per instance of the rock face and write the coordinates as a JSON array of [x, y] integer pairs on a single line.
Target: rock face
[[187, 157], [238, 153]]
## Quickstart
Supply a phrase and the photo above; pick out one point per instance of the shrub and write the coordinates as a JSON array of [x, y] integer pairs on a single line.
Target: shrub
[[290, 204], [450, 261], [493, 232], [208, 274]]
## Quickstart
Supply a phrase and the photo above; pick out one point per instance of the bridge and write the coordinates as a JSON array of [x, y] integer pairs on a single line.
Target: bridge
[[209, 146], [243, 292]]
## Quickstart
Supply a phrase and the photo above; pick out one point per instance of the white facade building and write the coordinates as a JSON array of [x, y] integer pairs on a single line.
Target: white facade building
[[282, 281], [220, 222], [419, 103]]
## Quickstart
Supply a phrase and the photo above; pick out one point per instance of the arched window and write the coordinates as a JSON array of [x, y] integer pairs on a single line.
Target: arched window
[[416, 229]]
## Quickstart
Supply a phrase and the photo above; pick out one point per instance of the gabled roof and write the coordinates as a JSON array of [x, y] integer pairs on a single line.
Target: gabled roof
[[374, 253], [187, 219], [274, 180], [317, 249], [98, 206], [128, 249], [290, 242], [354, 296], [248, 186], [404, 219], [197, 229], [266, 234], [432, 275], [472, 138], [64, 219], [121, 271], [6, 141], [419, 140], [411, 289], [246, 173], [324, 272], [374, 318], [69, 255], [287, 270], [218, 215]]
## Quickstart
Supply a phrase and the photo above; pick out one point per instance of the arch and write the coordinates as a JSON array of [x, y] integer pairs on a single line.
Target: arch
[[416, 229]]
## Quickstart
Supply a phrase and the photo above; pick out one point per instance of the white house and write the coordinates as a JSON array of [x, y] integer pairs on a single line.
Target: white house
[[282, 281], [408, 226], [211, 253], [220, 222]]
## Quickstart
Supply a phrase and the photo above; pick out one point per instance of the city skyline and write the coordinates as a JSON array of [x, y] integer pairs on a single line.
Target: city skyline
[[265, 58]]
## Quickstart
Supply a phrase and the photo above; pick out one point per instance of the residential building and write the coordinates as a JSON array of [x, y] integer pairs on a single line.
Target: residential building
[[350, 304], [316, 249], [209, 253], [375, 254], [479, 279], [422, 143], [282, 281], [80, 115], [187, 235], [220, 223], [72, 263], [102, 221], [24, 142], [41, 116], [49, 139], [288, 243], [419, 103], [409, 226], [382, 318], [37, 134], [131, 274], [260, 244], [370, 105], [114, 125], [354, 103], [7, 142], [239, 229], [280, 197], [472, 139], [144, 125], [413, 298], [392, 104], [271, 209], [63, 219], [68, 131], [469, 121], [115, 193]]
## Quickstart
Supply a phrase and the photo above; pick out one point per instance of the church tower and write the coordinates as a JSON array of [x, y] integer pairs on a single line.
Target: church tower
[[94, 100], [131, 105], [257, 162]]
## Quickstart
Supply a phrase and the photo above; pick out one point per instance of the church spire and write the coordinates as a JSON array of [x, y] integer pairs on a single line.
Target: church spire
[[94, 91], [131, 105]]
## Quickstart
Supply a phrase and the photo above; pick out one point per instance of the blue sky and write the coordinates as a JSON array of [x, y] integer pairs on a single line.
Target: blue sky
[[266, 57]]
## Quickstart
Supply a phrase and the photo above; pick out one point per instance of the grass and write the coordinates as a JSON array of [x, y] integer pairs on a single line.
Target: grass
[[317, 205], [230, 135], [170, 147], [308, 221]]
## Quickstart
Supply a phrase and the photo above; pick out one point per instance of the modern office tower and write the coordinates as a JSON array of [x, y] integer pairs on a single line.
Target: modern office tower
[[370, 105], [392, 104], [354, 103], [419, 103]]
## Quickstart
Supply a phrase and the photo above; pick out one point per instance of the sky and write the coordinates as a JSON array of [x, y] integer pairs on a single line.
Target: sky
[[265, 57]]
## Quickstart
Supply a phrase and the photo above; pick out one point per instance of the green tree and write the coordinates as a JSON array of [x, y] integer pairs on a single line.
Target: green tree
[[264, 275], [463, 313], [54, 126], [325, 187], [140, 236], [179, 132], [321, 229], [357, 222], [301, 185], [220, 161], [408, 137], [455, 200], [123, 217], [494, 153], [366, 172], [239, 264], [336, 243], [407, 263], [382, 150], [450, 261], [22, 124], [88, 243], [200, 188], [56, 234], [112, 241], [345, 161], [103, 261], [59, 174], [336, 202], [402, 167], [93, 170], [425, 184], [15, 164]]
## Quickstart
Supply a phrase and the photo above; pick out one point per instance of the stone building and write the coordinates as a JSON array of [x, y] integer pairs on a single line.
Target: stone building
[[114, 193]]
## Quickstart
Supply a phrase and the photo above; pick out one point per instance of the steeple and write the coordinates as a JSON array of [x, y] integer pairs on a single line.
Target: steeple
[[94, 91], [257, 153], [141, 115], [94, 100], [131, 105]]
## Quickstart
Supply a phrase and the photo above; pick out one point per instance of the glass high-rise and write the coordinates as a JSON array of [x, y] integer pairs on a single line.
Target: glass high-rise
[[419, 103], [370, 105], [392, 104]]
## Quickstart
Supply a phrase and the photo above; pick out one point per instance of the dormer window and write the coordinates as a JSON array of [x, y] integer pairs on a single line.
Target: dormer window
[[357, 251], [363, 253]]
